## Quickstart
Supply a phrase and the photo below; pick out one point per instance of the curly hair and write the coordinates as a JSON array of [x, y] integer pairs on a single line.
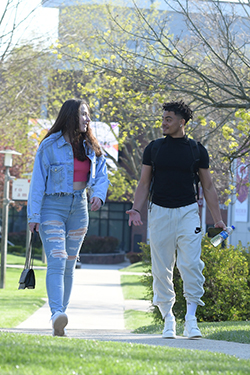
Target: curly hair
[[179, 108], [68, 122]]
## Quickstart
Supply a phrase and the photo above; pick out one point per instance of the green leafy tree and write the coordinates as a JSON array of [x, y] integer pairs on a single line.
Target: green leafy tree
[[208, 67], [22, 69], [113, 97], [22, 89], [134, 63]]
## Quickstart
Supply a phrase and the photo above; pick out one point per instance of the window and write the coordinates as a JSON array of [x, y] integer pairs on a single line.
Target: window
[[111, 220]]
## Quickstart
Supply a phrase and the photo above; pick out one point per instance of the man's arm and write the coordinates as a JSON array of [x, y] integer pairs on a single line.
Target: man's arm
[[141, 195], [211, 197]]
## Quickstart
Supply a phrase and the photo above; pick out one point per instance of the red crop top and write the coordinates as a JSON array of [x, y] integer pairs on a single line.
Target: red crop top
[[81, 170]]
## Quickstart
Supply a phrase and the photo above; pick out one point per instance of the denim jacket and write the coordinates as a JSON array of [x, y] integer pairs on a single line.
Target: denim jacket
[[54, 170]]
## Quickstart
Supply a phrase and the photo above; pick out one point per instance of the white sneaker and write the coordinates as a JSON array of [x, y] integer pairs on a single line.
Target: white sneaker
[[59, 322], [169, 331], [191, 329]]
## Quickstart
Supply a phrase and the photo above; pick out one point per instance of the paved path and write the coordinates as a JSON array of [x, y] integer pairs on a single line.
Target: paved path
[[96, 312], [96, 302]]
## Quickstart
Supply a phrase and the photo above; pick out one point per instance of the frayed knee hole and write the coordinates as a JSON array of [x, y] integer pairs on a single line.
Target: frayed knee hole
[[77, 234], [55, 239], [72, 257], [55, 253], [55, 223]]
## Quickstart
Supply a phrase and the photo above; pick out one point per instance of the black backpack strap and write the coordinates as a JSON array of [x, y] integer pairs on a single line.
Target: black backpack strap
[[154, 152], [195, 165]]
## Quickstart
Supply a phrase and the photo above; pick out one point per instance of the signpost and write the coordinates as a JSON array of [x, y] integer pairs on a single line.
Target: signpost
[[5, 217], [20, 189], [20, 192]]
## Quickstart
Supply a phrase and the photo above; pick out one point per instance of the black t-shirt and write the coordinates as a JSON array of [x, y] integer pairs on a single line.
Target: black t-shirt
[[173, 182]]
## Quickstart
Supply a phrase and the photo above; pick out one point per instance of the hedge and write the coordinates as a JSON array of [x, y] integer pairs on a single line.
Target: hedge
[[99, 245], [19, 239], [21, 251]]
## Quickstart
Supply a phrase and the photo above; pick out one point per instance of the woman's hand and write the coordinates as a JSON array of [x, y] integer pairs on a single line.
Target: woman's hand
[[95, 203], [34, 227]]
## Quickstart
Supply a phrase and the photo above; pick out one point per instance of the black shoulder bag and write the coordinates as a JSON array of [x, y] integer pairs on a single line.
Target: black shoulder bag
[[27, 278]]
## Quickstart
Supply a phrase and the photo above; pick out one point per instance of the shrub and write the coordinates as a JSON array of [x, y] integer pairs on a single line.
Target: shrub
[[19, 239], [246, 253], [227, 290], [37, 251], [99, 245], [134, 257], [16, 250], [227, 293], [21, 251]]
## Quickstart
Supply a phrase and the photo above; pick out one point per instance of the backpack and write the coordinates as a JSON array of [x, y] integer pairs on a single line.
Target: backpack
[[194, 167]]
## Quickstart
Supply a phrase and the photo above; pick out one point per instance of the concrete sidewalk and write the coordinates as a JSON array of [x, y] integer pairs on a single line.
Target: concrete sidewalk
[[96, 313], [96, 301]]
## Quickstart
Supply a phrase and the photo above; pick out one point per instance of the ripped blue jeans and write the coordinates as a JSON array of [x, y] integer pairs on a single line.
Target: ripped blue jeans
[[64, 223]]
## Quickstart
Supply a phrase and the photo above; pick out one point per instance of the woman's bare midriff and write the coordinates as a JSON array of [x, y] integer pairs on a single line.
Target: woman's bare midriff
[[79, 185]]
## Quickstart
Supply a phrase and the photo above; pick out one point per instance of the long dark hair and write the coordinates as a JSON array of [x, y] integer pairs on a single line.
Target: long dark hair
[[68, 122]]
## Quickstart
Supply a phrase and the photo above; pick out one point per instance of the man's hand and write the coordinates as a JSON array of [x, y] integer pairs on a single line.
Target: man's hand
[[220, 224], [134, 217]]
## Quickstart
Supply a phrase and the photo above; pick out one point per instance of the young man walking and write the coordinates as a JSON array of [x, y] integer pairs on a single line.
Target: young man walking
[[173, 215]]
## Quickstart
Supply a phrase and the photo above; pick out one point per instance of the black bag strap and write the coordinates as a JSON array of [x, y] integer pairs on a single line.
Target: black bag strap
[[154, 153], [29, 254], [155, 150], [195, 165]]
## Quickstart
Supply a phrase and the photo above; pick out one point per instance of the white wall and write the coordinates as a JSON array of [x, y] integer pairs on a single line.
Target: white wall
[[242, 229]]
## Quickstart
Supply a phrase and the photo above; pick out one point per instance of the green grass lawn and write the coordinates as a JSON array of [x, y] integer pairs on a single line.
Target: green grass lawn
[[142, 322], [135, 267], [45, 355], [18, 305], [132, 287], [19, 261]]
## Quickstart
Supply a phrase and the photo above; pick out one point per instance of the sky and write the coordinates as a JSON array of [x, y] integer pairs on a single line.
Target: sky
[[41, 24]]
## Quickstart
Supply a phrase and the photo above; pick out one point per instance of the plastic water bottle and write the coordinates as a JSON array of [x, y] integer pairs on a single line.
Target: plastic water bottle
[[219, 238]]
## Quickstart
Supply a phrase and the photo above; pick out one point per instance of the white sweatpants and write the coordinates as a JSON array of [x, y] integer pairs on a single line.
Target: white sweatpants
[[175, 231]]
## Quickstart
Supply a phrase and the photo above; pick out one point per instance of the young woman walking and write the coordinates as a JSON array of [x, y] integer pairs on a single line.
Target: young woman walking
[[68, 162]]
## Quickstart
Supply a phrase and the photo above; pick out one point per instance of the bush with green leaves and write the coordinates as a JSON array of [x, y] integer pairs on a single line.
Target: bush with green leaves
[[134, 257], [16, 250], [19, 239], [227, 285], [99, 245], [21, 251], [246, 252]]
